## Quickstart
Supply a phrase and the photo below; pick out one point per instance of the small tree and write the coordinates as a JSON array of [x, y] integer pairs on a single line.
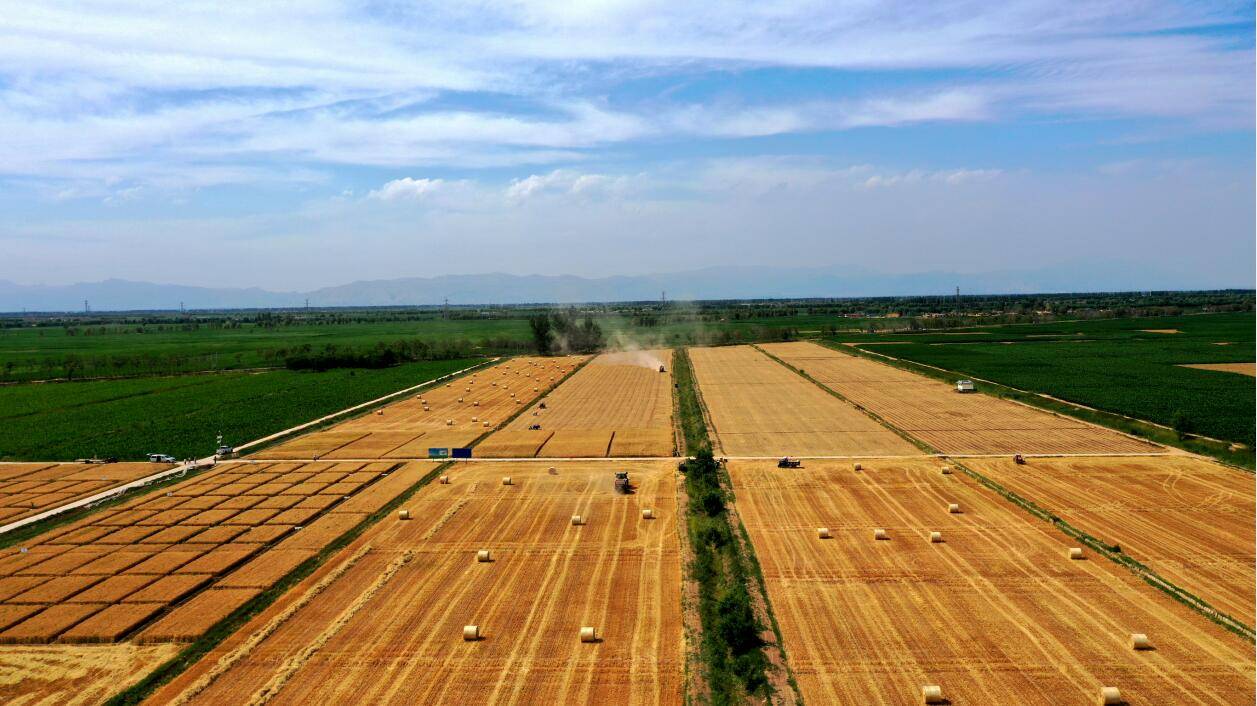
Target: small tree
[[541, 333]]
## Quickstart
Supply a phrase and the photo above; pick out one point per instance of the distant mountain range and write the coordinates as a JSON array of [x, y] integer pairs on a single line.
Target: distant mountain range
[[742, 282]]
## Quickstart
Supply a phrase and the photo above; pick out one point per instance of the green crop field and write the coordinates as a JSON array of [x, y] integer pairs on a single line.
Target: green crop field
[[1115, 365], [182, 415], [128, 350]]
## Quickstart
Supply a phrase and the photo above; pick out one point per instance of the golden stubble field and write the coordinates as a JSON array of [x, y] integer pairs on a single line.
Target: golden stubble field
[[995, 613], [951, 422], [617, 405], [383, 621], [1190, 520], [28, 489], [447, 415], [161, 569], [760, 408]]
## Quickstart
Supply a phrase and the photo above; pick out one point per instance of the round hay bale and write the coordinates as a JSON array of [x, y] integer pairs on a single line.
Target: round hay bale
[[552, 470], [822, 532], [1075, 553], [484, 555], [379, 413], [578, 520], [449, 422], [403, 514], [936, 537], [947, 470], [1139, 641], [486, 425], [588, 634], [506, 480], [954, 508], [648, 514], [880, 533], [857, 467], [471, 633], [476, 403], [932, 694], [517, 401], [460, 400], [445, 480], [1110, 695], [426, 408]]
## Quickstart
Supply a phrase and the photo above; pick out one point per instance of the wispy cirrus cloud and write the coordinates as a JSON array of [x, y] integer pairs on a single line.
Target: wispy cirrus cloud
[[200, 86]]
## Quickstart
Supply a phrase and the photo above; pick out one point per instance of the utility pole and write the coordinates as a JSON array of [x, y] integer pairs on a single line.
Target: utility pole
[[445, 309]]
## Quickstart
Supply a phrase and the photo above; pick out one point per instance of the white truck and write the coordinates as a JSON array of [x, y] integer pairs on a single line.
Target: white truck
[[965, 386]]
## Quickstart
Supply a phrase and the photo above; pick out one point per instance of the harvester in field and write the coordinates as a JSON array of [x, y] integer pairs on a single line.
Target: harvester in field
[[662, 369], [622, 484], [787, 462]]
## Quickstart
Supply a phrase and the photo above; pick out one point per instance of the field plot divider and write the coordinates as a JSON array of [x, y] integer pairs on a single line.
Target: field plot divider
[[1144, 572], [871, 415], [228, 626]]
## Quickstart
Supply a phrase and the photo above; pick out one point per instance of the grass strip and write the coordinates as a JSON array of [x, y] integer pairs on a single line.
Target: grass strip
[[1244, 459], [242, 615], [689, 406], [735, 665]]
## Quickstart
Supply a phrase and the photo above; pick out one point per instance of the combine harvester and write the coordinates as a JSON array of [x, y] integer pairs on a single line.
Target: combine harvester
[[622, 484], [787, 462]]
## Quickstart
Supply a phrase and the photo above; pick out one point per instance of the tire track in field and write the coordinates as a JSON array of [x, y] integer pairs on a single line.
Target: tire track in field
[[563, 555], [296, 662], [226, 662]]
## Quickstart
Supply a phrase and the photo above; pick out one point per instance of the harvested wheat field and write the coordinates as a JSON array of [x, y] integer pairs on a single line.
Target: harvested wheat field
[[131, 569], [760, 408], [446, 415], [1190, 520], [28, 489], [951, 422], [78, 674], [994, 612], [615, 393], [1249, 369], [383, 621]]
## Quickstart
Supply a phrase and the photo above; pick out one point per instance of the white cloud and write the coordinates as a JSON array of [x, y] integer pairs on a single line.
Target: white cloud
[[143, 86], [407, 188]]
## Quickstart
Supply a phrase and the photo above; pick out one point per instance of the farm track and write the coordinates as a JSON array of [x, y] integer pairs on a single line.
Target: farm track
[[619, 572], [29, 489], [995, 612]]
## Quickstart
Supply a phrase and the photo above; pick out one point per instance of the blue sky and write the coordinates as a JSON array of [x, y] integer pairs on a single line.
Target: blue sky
[[309, 144]]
